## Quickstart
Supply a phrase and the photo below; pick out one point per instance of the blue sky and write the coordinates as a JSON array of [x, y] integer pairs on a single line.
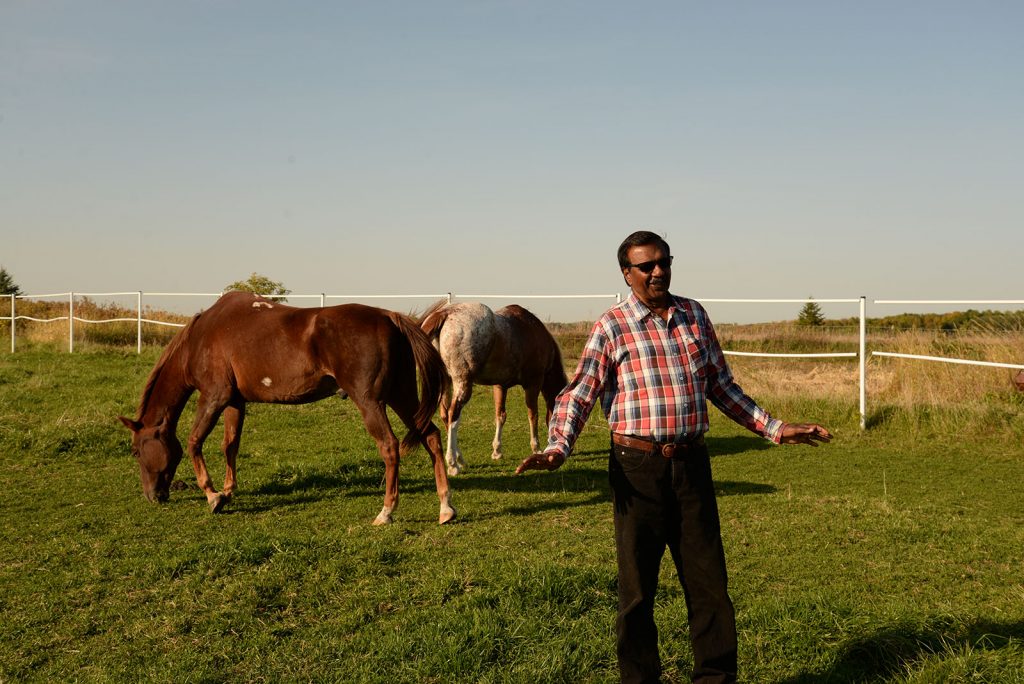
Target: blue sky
[[786, 149]]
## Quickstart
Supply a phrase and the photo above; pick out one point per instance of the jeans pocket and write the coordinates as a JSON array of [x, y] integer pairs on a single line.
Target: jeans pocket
[[630, 459]]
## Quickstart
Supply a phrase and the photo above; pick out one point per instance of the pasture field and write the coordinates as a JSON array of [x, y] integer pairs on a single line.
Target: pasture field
[[892, 555]]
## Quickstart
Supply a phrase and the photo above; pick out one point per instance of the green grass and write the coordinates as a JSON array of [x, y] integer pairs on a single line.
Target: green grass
[[887, 556]]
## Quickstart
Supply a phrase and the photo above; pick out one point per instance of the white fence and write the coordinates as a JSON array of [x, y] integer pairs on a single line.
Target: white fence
[[860, 354], [957, 302], [139, 319]]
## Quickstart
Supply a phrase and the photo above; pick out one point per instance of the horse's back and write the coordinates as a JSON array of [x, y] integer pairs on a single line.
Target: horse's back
[[536, 347], [272, 352], [528, 330], [246, 319]]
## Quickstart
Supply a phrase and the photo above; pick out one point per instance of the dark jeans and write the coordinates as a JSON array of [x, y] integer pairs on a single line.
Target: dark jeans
[[663, 502]]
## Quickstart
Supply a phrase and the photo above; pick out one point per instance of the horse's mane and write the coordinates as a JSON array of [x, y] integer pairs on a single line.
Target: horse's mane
[[175, 344]]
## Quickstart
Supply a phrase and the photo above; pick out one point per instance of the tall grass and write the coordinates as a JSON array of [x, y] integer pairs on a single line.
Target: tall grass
[[925, 397], [97, 327], [918, 395]]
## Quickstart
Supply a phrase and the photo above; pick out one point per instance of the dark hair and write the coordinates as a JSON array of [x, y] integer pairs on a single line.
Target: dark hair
[[639, 239]]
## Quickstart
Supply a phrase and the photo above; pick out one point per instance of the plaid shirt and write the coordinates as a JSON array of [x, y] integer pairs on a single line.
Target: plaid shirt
[[654, 378]]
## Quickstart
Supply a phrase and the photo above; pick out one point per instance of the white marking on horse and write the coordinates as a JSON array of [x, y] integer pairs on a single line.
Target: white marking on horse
[[267, 382], [257, 305]]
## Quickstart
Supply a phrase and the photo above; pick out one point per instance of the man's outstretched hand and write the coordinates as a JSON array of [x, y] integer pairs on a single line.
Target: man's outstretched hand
[[546, 461], [804, 433]]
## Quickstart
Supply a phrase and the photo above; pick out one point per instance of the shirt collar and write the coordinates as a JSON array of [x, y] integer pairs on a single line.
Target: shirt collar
[[640, 311]]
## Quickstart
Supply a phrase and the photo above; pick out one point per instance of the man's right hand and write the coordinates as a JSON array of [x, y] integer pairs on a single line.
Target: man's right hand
[[549, 460]]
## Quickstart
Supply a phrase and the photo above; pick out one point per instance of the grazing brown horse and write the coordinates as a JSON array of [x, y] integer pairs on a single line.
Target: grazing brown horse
[[503, 348], [247, 348]]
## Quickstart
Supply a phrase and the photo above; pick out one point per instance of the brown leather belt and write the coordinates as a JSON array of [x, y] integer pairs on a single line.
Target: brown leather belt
[[666, 449]]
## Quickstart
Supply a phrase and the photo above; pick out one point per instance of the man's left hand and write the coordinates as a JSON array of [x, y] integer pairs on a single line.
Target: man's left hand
[[548, 460], [804, 433]]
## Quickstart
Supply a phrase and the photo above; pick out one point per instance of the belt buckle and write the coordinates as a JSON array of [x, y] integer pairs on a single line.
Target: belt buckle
[[669, 450]]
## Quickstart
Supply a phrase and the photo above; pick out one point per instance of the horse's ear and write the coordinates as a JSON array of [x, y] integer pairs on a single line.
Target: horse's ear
[[161, 426], [132, 425]]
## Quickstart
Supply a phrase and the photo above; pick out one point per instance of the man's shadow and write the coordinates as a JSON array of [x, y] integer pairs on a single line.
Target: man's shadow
[[729, 446], [886, 653]]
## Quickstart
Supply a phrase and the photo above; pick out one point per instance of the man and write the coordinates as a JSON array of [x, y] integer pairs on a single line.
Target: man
[[653, 361]]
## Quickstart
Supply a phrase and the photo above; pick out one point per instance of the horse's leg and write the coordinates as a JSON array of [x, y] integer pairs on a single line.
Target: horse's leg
[[405, 408], [531, 414], [500, 394], [432, 441], [462, 390], [376, 419], [234, 417], [208, 410], [446, 406]]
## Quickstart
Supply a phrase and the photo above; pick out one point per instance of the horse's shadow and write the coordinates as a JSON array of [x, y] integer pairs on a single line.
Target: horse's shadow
[[585, 473], [345, 477], [886, 653]]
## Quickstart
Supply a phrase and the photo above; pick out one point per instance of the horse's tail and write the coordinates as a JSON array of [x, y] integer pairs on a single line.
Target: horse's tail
[[432, 374], [555, 378], [434, 318]]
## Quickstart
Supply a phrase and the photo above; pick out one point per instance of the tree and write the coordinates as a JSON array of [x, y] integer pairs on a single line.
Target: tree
[[261, 284], [811, 315], [7, 284]]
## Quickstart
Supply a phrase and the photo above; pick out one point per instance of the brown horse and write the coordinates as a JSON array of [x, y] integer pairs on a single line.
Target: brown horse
[[502, 348], [247, 348]]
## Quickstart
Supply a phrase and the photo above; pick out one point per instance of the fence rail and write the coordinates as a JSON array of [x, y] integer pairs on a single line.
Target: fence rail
[[861, 354], [950, 302]]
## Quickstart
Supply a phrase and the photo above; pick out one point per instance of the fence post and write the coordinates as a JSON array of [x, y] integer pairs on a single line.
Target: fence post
[[138, 329], [863, 363], [71, 322], [449, 297], [12, 322], [323, 298]]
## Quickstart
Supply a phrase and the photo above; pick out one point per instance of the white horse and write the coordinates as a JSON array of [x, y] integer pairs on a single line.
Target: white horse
[[502, 348]]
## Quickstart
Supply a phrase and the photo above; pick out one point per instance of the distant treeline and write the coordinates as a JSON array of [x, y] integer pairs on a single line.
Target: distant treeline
[[994, 321]]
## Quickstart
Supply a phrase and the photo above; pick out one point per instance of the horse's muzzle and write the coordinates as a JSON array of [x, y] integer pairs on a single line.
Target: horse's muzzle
[[155, 496]]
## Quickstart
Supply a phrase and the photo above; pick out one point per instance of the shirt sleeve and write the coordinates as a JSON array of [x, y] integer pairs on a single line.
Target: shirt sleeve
[[577, 400], [730, 398]]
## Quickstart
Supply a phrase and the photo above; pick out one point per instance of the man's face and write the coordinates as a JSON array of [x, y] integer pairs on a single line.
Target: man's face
[[650, 286]]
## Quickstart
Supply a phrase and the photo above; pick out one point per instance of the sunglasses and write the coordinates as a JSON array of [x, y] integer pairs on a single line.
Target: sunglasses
[[664, 264]]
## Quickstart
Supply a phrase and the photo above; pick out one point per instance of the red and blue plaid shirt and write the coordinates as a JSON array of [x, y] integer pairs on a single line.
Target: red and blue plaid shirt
[[654, 378]]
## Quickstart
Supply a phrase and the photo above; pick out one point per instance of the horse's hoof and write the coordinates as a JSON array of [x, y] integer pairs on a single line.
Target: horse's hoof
[[497, 455], [384, 517], [216, 502], [447, 515], [453, 471]]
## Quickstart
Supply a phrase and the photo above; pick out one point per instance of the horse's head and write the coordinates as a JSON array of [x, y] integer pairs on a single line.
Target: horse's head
[[158, 452]]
